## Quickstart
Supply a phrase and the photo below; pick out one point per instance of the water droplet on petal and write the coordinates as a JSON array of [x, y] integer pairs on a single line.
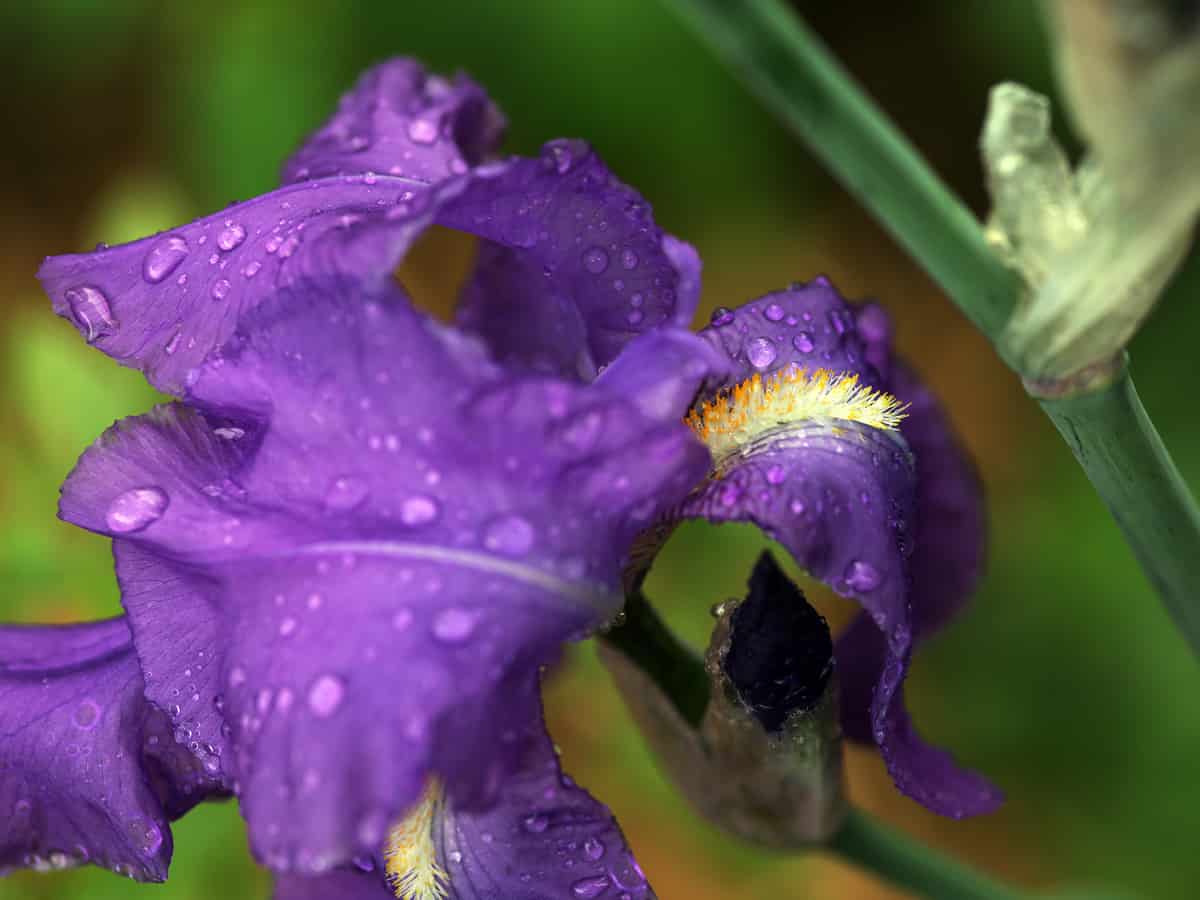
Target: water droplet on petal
[[510, 534], [590, 888], [454, 625], [252, 268], [86, 715], [345, 492], [721, 316], [536, 823], [422, 131], [90, 309], [773, 312], [861, 576], [135, 509], [629, 259], [164, 258], [593, 848], [803, 342], [325, 695], [776, 474], [595, 260], [220, 290], [419, 509], [231, 237], [761, 352]]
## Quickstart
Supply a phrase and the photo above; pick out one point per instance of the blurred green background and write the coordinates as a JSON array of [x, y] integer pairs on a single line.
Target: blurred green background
[[1064, 681]]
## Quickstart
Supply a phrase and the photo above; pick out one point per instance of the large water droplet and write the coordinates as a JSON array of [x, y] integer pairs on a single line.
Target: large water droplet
[[589, 888], [803, 342], [454, 625], [761, 352], [136, 509], [593, 848], [422, 131], [231, 237], [345, 492], [861, 576], [773, 313], [164, 258], [86, 715], [595, 260], [509, 534], [419, 509], [325, 695], [90, 309]]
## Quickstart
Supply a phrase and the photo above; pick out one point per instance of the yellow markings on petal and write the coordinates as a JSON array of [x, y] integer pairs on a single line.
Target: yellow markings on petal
[[410, 853], [739, 415]]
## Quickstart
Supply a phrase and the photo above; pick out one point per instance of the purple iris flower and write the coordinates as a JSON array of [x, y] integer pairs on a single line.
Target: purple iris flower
[[349, 549]]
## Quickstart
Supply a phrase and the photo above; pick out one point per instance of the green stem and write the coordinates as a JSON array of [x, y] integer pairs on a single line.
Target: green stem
[[897, 858], [1114, 440], [674, 666], [1111, 435], [786, 65], [863, 840]]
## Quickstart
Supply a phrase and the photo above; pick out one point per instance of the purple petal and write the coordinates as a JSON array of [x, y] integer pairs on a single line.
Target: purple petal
[[72, 783], [573, 265], [399, 120], [545, 838], [342, 885], [841, 497], [367, 502], [807, 326], [662, 371]]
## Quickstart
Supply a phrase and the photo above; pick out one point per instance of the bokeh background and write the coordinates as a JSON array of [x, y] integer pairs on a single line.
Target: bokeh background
[[1064, 681]]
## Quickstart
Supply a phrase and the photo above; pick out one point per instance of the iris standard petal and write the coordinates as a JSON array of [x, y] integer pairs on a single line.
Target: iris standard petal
[[81, 776], [572, 266], [400, 120], [370, 531], [816, 461]]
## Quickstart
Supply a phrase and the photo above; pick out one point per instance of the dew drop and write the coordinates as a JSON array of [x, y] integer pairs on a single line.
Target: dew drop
[[773, 313], [509, 534], [454, 625], [803, 342], [419, 510], [325, 695], [345, 492], [629, 259], [136, 509], [401, 619], [536, 823], [635, 316], [422, 131], [593, 848], [252, 268], [721, 316], [589, 888], [91, 312], [861, 576], [164, 258], [86, 715], [287, 627], [595, 260], [220, 289], [761, 352], [776, 474], [231, 237]]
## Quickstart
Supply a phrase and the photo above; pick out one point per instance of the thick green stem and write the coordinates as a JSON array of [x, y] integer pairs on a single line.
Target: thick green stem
[[897, 858], [674, 666], [1117, 445], [786, 65], [1113, 438]]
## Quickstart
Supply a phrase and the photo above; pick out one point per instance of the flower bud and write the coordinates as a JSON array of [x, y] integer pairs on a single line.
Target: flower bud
[[765, 762]]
